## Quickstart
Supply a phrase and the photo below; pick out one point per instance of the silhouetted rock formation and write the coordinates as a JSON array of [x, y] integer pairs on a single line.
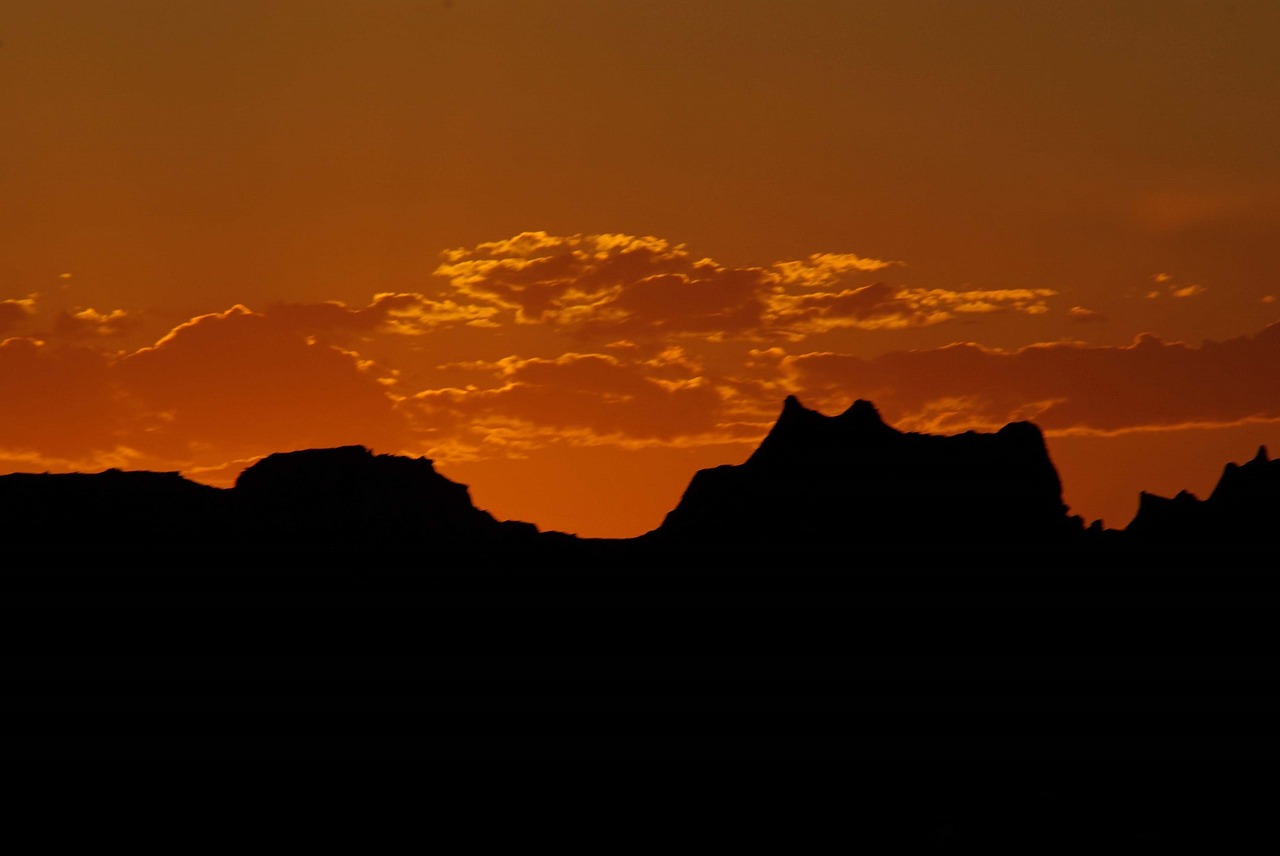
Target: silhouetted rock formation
[[1241, 515], [69, 520], [846, 579], [850, 484], [351, 497], [820, 491], [320, 505], [112, 498]]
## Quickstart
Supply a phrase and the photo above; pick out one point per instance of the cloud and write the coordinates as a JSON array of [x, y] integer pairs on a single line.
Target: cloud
[[622, 340], [89, 323], [825, 269], [14, 312], [60, 402], [1084, 314], [44, 317], [229, 384], [1064, 387], [404, 313], [1175, 291], [576, 398], [411, 373], [623, 286], [881, 306], [218, 387]]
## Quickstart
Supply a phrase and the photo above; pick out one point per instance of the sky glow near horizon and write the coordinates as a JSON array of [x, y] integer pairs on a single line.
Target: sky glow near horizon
[[574, 251]]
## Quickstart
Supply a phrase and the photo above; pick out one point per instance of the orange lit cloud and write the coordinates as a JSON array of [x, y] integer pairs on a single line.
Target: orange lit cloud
[[1192, 289], [13, 312], [39, 317], [90, 322], [403, 314], [220, 387], [1061, 386], [60, 402], [1084, 314], [542, 343], [644, 287], [581, 399], [230, 385]]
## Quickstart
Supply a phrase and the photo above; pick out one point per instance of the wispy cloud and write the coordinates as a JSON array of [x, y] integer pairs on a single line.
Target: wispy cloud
[[230, 381], [541, 340], [13, 312], [1062, 386], [1168, 288], [622, 285], [1084, 314]]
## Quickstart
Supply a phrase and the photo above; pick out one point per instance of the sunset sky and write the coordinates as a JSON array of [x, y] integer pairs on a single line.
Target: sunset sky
[[574, 250]]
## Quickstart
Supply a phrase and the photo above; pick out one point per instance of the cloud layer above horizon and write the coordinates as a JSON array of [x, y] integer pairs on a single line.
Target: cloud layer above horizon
[[538, 341]]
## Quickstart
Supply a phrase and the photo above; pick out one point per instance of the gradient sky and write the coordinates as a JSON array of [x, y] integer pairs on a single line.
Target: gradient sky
[[574, 251]]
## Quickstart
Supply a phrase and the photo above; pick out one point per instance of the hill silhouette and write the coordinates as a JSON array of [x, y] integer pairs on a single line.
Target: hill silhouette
[[841, 491], [847, 575]]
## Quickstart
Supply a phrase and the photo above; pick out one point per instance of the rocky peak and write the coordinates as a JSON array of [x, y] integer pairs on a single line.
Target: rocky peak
[[1249, 482], [801, 433], [862, 414], [1241, 513], [853, 476]]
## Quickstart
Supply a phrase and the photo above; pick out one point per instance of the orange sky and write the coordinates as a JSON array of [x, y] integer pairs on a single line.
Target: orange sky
[[574, 251]]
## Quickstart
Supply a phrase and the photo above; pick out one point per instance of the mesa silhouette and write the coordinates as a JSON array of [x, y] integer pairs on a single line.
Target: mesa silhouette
[[925, 607], [845, 491], [847, 578]]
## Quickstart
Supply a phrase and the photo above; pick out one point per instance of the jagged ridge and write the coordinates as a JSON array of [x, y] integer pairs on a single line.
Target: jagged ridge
[[1243, 509], [852, 478], [846, 488]]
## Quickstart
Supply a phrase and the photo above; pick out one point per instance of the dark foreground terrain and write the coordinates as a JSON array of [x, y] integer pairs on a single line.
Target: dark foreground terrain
[[911, 610]]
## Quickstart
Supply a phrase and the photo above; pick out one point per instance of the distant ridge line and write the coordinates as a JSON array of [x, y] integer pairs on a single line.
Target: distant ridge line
[[815, 486]]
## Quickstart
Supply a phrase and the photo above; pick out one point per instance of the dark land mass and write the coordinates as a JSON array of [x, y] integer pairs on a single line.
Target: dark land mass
[[905, 599]]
